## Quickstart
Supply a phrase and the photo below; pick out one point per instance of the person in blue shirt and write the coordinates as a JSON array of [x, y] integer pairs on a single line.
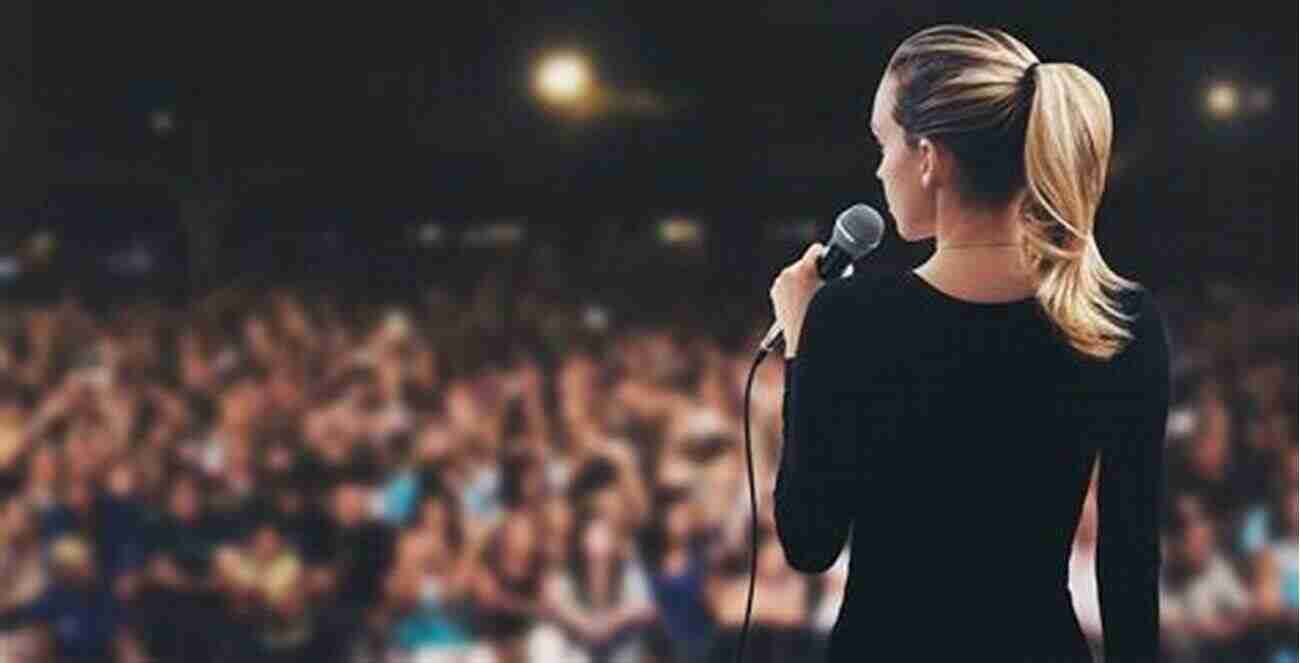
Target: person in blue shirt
[[81, 611]]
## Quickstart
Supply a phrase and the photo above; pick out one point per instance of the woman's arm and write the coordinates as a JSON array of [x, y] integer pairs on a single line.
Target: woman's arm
[[467, 566], [490, 592], [637, 607], [829, 423], [559, 605], [1131, 443], [630, 483]]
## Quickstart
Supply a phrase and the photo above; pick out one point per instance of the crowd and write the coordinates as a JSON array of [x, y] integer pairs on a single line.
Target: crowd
[[286, 475]]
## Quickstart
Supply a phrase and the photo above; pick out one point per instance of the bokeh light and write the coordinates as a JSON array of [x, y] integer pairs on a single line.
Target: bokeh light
[[563, 78], [1222, 100]]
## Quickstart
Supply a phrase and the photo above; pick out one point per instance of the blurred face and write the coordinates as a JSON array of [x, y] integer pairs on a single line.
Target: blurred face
[[266, 543], [1198, 541], [390, 373], [435, 442], [258, 335], [1211, 454], [279, 458], [607, 502], [184, 501], [79, 496], [16, 521], [238, 404], [45, 467], [904, 172], [518, 537], [559, 518], [599, 541], [679, 521], [121, 480], [461, 409], [285, 389], [85, 445], [433, 514], [350, 504], [423, 368]]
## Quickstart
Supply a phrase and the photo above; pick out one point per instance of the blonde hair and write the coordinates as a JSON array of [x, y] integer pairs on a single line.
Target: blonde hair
[[1044, 132]]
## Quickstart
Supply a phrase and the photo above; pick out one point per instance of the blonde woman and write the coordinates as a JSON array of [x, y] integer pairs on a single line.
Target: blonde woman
[[961, 406]]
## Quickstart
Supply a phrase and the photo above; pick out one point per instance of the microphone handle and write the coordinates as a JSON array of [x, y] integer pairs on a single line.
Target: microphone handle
[[773, 339]]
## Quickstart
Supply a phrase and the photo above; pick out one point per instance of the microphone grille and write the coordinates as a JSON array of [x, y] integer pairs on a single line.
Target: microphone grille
[[858, 230]]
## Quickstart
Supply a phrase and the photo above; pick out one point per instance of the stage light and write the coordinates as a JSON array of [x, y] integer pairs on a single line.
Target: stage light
[[679, 230], [1222, 100], [563, 78], [506, 232], [162, 121], [40, 246], [595, 318], [429, 234]]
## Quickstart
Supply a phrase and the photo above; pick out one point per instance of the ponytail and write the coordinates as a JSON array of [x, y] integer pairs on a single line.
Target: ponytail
[[1067, 148]]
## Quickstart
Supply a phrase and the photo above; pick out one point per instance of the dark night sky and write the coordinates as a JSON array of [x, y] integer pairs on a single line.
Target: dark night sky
[[396, 114]]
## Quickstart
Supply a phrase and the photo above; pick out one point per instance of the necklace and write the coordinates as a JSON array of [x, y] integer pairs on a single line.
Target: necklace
[[965, 246]]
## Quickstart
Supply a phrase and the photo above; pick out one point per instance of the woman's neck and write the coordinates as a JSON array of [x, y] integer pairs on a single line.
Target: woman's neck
[[979, 273]]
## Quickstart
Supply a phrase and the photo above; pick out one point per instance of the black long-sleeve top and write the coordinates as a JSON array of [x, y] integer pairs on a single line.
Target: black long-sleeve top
[[957, 439]]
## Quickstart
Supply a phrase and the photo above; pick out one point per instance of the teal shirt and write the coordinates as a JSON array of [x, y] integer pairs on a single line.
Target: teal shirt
[[430, 626]]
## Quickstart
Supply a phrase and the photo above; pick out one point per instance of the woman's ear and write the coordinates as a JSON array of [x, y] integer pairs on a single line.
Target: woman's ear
[[930, 163], [927, 161]]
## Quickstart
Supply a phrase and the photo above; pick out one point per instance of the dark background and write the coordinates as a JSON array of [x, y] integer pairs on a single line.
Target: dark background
[[312, 135]]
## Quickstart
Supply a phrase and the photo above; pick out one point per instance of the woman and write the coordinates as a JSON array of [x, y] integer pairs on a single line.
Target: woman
[[429, 586], [85, 619], [779, 628], [602, 597], [23, 578], [680, 555], [508, 592], [968, 398]]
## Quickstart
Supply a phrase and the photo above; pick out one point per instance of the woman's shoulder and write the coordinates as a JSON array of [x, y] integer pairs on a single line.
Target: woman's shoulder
[[863, 287], [1146, 320]]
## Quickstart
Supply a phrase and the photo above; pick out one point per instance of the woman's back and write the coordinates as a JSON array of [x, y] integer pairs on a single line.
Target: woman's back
[[958, 438]]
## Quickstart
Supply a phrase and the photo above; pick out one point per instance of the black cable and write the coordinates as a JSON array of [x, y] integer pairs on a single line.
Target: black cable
[[753, 509]]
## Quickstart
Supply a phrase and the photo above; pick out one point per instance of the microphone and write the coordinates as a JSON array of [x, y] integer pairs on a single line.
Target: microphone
[[857, 232]]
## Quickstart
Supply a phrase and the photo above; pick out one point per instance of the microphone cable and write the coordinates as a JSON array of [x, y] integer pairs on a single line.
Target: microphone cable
[[753, 508]]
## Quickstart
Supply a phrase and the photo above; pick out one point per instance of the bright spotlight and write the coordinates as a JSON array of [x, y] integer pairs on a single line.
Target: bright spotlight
[[1221, 99], [563, 78]]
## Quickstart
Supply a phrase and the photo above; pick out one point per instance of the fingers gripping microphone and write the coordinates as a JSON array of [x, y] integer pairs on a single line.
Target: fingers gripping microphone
[[857, 232]]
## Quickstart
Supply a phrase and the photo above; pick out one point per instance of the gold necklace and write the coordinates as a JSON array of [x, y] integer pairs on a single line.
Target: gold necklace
[[965, 246]]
